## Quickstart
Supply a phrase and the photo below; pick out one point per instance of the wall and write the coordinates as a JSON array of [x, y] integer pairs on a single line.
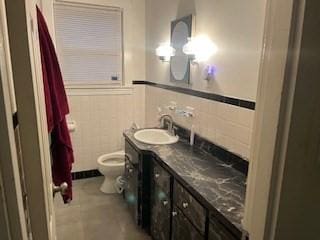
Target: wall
[[267, 123], [102, 114], [101, 120], [237, 40], [237, 29], [223, 124], [235, 26]]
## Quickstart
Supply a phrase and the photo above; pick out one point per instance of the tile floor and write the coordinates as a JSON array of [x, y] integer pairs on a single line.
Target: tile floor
[[93, 215]]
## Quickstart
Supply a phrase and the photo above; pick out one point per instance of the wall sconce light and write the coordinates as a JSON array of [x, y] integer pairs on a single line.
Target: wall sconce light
[[165, 52], [200, 48]]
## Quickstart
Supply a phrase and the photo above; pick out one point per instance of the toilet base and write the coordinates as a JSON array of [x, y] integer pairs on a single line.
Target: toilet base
[[108, 186]]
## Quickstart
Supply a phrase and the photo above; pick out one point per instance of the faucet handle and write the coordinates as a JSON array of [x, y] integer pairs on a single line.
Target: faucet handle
[[172, 106], [189, 112]]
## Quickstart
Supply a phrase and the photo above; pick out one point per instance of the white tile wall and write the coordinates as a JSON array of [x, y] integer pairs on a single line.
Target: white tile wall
[[100, 122], [226, 125]]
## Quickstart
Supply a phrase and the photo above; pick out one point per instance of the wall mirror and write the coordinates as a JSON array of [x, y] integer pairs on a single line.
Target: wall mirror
[[180, 63]]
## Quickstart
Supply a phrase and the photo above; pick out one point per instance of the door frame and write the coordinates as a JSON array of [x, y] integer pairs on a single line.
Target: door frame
[[33, 134], [12, 214], [261, 191], [282, 99]]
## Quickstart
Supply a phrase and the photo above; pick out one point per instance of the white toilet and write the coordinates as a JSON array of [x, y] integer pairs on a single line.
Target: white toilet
[[111, 166]]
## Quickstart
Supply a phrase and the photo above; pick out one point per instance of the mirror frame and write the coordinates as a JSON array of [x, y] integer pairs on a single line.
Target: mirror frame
[[188, 20]]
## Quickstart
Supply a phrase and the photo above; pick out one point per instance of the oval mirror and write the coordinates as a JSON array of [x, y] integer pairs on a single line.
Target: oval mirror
[[180, 63]]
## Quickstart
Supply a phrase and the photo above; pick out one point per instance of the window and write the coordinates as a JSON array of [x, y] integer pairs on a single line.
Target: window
[[89, 44]]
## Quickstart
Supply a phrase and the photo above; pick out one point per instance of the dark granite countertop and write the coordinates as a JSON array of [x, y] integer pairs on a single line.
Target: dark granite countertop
[[220, 187]]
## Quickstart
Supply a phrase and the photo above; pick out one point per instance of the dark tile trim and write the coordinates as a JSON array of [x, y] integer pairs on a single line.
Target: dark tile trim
[[85, 174], [15, 120], [211, 96], [221, 153], [139, 82]]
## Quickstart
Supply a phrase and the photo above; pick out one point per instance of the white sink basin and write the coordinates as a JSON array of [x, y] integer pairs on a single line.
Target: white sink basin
[[155, 136]]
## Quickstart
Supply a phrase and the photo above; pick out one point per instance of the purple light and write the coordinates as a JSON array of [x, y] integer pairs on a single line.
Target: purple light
[[211, 70]]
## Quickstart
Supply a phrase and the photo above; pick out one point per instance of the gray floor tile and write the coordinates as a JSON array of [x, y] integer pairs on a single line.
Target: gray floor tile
[[93, 215], [73, 230]]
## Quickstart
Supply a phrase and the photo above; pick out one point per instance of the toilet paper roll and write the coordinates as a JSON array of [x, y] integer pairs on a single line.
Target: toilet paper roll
[[72, 125]]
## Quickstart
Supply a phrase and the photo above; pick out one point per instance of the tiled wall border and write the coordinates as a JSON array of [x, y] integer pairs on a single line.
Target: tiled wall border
[[86, 174], [211, 96]]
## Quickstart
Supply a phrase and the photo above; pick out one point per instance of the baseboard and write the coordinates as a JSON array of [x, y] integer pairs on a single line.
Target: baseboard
[[86, 174]]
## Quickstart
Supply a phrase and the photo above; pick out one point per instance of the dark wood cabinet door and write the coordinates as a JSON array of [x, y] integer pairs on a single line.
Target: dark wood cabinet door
[[218, 232], [131, 189], [182, 229], [160, 214], [191, 208], [161, 177]]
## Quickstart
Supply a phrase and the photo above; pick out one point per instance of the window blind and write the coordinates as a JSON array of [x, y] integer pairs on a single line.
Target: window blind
[[89, 43]]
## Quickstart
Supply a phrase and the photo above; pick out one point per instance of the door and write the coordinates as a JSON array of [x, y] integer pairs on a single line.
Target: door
[[182, 228], [160, 202], [160, 214], [132, 188], [22, 37], [218, 232]]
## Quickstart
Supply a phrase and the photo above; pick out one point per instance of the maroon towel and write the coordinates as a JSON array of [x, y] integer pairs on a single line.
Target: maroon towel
[[57, 108]]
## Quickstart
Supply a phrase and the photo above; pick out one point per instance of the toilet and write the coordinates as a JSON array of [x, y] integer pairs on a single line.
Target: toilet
[[111, 166]]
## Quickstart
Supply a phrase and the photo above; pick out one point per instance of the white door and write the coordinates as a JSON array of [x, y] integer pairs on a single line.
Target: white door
[[30, 104]]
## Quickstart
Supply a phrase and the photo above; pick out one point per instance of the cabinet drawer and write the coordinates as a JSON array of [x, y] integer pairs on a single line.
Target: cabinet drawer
[[182, 229], [218, 232], [160, 214], [190, 207], [161, 177], [131, 154]]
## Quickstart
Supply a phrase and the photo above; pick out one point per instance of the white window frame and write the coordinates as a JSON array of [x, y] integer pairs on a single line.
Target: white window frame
[[91, 84]]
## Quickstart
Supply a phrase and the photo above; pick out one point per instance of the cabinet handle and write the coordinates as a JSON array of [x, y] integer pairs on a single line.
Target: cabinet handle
[[174, 214], [157, 175], [185, 205], [165, 202]]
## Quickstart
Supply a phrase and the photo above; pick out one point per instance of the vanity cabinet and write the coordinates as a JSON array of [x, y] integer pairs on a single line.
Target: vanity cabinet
[[137, 189], [131, 191], [218, 232], [161, 177], [190, 207], [175, 214], [182, 228], [163, 205], [161, 214], [160, 203]]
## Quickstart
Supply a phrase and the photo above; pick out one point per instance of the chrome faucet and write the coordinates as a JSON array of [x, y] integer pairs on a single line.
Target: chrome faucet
[[170, 119]]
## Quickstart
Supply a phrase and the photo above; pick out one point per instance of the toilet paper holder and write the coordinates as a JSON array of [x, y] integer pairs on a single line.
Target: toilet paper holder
[[72, 125]]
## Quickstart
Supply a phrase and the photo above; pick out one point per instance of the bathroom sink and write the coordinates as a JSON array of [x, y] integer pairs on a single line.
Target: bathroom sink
[[155, 136]]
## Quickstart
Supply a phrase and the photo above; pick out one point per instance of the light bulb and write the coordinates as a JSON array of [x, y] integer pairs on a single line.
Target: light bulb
[[165, 52], [201, 48]]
